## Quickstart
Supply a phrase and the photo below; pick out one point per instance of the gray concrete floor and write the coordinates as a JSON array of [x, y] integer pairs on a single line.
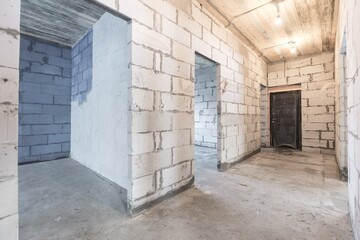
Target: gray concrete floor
[[273, 195]]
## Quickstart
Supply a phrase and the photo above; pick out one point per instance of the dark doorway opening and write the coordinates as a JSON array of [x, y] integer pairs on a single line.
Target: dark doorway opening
[[285, 109]]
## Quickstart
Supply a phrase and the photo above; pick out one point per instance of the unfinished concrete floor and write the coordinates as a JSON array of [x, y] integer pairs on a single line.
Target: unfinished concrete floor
[[273, 195]]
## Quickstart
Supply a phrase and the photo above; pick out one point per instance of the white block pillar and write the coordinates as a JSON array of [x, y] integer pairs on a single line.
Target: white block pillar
[[9, 82]]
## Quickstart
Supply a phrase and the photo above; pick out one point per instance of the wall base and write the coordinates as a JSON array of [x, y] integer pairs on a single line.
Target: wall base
[[274, 149], [224, 166], [343, 174], [133, 212]]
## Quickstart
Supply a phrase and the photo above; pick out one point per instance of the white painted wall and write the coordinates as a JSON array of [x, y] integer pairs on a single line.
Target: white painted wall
[[99, 126]]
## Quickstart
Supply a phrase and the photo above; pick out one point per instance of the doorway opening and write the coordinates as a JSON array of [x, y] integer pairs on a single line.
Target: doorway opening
[[206, 114], [67, 63], [285, 119]]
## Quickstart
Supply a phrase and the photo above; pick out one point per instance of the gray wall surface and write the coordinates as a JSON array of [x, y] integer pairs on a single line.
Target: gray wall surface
[[99, 106], [44, 100]]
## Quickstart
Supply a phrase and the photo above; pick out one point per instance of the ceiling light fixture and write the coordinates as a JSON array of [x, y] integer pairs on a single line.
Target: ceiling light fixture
[[293, 49], [278, 20]]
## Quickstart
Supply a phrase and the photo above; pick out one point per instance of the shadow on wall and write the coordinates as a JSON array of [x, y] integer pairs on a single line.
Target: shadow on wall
[[44, 100], [82, 68]]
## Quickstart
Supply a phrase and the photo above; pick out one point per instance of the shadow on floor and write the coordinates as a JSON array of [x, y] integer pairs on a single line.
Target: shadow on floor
[[62, 198]]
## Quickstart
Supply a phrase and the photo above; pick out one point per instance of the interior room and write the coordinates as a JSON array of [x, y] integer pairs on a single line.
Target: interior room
[[191, 119]]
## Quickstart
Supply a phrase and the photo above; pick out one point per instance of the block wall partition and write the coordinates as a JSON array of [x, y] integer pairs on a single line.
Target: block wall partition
[[164, 39], [99, 102], [9, 102], [347, 61]]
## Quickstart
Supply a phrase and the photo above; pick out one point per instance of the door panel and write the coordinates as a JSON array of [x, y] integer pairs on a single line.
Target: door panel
[[285, 119]]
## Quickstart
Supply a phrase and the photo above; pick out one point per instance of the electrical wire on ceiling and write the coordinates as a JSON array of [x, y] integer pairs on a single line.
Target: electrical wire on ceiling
[[246, 12], [252, 46], [293, 49], [291, 43], [278, 20]]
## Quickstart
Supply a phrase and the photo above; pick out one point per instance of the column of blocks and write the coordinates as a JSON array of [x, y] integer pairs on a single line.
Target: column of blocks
[[341, 114], [9, 102], [264, 115]]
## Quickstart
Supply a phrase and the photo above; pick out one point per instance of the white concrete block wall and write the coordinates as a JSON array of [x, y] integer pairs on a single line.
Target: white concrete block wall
[[341, 115], [265, 114], [350, 88], [341, 129], [163, 91], [240, 107], [169, 38], [315, 74], [174, 164], [9, 92], [206, 128]]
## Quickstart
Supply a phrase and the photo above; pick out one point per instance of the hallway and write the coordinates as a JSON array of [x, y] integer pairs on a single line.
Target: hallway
[[291, 195]]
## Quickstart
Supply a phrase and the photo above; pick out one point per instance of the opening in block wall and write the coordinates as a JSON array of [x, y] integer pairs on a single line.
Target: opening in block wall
[[61, 90], [206, 115]]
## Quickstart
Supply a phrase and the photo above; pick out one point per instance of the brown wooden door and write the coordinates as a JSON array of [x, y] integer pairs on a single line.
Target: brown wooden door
[[285, 119]]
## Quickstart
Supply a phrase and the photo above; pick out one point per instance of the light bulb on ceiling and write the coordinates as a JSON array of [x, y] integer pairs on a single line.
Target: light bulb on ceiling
[[278, 21], [293, 50]]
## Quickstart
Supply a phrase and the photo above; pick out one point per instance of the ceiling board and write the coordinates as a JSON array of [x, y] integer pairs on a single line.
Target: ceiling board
[[310, 23], [63, 21], [326, 16]]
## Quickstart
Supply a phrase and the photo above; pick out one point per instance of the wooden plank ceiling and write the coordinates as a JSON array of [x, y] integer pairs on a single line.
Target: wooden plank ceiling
[[311, 24], [64, 21]]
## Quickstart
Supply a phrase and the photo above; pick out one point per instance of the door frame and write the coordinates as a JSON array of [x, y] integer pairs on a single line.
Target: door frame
[[278, 89]]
